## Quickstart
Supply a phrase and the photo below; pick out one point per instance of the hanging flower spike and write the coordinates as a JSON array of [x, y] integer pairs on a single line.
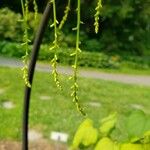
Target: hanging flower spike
[[25, 43], [96, 16], [75, 86], [55, 72], [74, 93], [25, 76], [55, 47], [66, 12]]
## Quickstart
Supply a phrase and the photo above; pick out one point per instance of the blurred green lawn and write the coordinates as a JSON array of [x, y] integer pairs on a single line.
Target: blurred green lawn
[[59, 113]]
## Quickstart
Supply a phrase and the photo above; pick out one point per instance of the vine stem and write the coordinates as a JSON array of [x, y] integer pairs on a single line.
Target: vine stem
[[77, 41], [78, 36], [55, 23], [35, 9], [22, 6], [77, 50], [54, 60], [26, 41]]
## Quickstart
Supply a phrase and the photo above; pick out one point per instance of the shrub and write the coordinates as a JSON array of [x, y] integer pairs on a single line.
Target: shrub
[[87, 59], [10, 26], [92, 45], [11, 49]]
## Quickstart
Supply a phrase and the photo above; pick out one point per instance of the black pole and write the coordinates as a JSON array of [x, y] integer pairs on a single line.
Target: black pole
[[34, 55]]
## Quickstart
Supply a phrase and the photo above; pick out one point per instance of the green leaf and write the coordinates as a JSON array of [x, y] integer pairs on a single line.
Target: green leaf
[[146, 146], [146, 137], [106, 144], [108, 123], [86, 134], [147, 124], [129, 146], [119, 133], [135, 125]]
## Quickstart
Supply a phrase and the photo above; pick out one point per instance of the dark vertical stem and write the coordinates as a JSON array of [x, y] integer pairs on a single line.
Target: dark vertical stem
[[34, 55]]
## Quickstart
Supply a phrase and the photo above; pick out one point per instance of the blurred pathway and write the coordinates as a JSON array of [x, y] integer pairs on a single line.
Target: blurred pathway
[[124, 78]]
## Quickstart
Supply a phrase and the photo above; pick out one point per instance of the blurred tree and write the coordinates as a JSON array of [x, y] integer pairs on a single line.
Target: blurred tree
[[124, 24]]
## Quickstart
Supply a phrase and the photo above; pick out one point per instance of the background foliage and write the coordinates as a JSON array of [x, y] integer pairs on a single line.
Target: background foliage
[[124, 25], [86, 59]]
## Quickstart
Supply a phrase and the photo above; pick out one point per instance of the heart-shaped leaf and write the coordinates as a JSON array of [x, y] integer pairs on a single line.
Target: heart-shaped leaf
[[130, 146], [86, 134], [107, 124], [106, 144], [136, 125]]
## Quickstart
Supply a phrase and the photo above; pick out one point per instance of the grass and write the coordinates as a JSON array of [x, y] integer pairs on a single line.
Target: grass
[[124, 70], [59, 113]]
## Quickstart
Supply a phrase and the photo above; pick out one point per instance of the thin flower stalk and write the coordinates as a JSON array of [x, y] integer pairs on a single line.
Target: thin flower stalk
[[25, 43], [55, 47], [75, 86]]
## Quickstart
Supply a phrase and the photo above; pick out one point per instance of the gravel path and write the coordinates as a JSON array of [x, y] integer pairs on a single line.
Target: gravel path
[[38, 145], [123, 78]]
